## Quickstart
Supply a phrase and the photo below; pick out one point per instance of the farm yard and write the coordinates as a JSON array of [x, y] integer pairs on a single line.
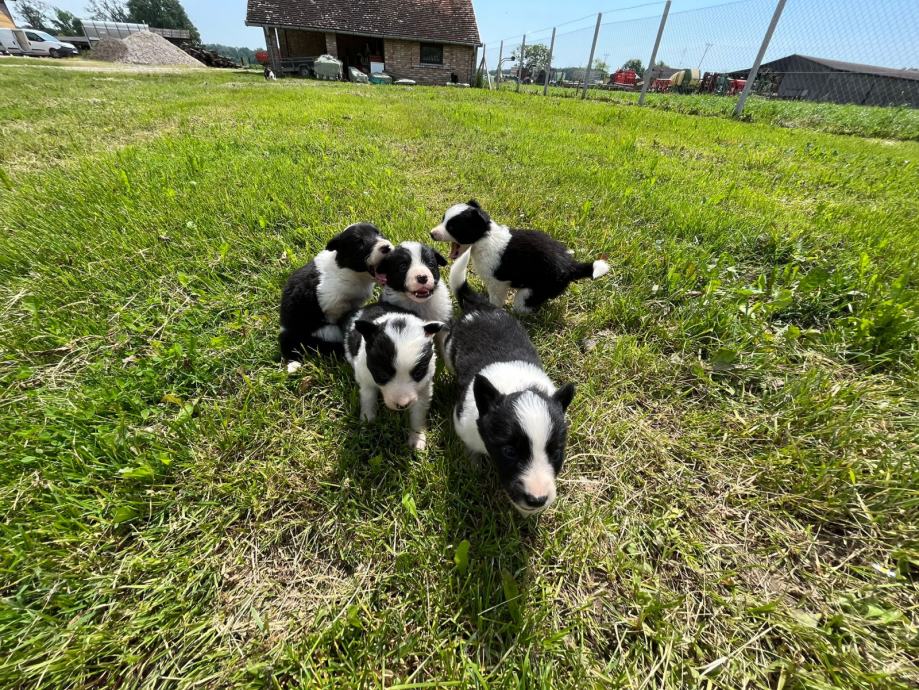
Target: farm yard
[[738, 506]]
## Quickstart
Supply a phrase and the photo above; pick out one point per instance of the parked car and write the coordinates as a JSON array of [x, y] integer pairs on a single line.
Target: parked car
[[37, 43]]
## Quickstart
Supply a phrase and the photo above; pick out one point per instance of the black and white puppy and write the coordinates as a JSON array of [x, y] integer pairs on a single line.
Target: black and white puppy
[[508, 407], [338, 281], [392, 352], [536, 265], [411, 276]]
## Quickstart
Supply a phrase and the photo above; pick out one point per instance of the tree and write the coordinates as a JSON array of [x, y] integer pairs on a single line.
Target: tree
[[536, 57], [66, 23], [635, 64], [34, 13], [165, 14], [107, 10], [600, 70], [162, 14], [241, 55]]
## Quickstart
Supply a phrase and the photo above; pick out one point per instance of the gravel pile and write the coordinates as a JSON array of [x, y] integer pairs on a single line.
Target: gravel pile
[[110, 50], [142, 48]]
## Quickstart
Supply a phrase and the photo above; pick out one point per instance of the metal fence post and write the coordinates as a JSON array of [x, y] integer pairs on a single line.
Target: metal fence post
[[545, 84], [590, 60], [657, 43], [738, 109], [523, 47], [500, 60]]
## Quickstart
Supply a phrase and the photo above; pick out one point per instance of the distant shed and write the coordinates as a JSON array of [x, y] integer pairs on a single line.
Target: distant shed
[[808, 78]]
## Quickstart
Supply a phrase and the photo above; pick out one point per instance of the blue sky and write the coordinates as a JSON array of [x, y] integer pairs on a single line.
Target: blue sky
[[722, 36]]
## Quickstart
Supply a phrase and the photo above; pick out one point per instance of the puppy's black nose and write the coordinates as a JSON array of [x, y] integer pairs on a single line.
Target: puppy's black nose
[[535, 501], [402, 406], [421, 279]]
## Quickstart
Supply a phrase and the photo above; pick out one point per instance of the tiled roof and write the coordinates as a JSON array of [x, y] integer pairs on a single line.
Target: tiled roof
[[450, 21]]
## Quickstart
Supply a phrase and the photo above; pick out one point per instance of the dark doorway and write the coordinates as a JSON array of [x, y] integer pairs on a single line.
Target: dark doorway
[[359, 51]]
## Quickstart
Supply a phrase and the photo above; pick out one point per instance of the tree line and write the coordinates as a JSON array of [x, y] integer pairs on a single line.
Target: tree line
[[536, 59]]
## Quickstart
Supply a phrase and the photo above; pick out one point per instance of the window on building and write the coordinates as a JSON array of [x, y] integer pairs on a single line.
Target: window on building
[[432, 54]]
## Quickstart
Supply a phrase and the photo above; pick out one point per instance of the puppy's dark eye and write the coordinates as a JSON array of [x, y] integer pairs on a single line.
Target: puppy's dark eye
[[510, 453], [403, 266], [385, 250]]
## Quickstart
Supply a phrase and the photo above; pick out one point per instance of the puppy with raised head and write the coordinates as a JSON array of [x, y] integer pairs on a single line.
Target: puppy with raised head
[[338, 281], [508, 408], [411, 276], [392, 352], [536, 265]]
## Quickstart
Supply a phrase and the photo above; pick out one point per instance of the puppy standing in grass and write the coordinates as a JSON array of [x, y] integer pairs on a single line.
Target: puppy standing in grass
[[338, 281], [508, 407], [536, 265], [392, 352]]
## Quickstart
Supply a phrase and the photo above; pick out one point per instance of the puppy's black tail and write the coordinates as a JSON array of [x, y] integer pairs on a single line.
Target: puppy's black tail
[[592, 270], [469, 299]]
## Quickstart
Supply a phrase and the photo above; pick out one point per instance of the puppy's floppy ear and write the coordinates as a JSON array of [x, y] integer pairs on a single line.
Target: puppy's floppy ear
[[486, 395], [439, 258], [433, 327], [473, 203], [564, 395], [334, 244], [368, 329]]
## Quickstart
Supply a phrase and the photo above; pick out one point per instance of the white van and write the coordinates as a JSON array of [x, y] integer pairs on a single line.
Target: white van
[[34, 42]]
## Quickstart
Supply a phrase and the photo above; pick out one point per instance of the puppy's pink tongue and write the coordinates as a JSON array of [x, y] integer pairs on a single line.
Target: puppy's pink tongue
[[454, 250]]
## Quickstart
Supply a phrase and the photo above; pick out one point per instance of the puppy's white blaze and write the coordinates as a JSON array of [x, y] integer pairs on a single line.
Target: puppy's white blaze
[[601, 268], [409, 343], [441, 235], [454, 211], [506, 377], [376, 255], [533, 416], [416, 269]]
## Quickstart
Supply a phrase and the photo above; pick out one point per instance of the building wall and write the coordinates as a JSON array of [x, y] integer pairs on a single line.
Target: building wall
[[301, 43], [403, 61], [848, 87]]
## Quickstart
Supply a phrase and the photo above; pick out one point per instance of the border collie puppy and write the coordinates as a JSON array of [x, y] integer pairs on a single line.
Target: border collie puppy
[[411, 275], [316, 297], [392, 352], [533, 263], [508, 407]]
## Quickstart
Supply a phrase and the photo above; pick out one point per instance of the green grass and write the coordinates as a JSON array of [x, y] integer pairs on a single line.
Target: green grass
[[864, 121], [739, 503]]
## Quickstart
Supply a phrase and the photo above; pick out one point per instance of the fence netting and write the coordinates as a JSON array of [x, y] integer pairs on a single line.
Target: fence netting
[[821, 50]]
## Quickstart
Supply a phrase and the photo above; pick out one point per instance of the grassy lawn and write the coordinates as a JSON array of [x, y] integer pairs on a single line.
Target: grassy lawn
[[888, 123], [739, 503]]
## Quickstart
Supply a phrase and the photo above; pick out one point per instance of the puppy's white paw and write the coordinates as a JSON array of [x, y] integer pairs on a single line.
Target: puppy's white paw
[[368, 416], [417, 440], [294, 367]]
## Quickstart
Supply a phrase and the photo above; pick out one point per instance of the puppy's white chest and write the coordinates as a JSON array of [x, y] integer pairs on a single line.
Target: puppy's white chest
[[340, 290], [487, 253]]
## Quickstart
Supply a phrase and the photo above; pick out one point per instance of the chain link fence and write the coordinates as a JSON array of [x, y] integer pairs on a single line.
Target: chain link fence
[[835, 51]]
